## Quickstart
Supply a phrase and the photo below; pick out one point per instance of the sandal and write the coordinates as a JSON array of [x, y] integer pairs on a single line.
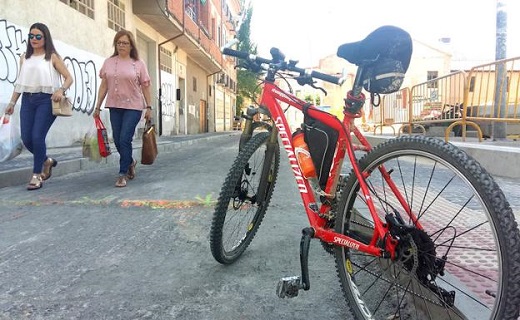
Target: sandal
[[47, 168], [131, 170], [121, 182], [35, 183]]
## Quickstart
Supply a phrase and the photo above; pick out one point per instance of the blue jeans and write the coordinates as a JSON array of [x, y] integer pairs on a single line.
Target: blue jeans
[[35, 121], [124, 122]]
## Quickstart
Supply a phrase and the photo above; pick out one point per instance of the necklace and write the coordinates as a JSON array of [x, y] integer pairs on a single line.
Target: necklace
[[116, 79]]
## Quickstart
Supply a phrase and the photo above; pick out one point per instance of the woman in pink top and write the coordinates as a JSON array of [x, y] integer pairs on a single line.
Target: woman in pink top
[[126, 85]]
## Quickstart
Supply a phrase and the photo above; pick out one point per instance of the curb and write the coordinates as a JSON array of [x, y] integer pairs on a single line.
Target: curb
[[497, 160], [19, 176]]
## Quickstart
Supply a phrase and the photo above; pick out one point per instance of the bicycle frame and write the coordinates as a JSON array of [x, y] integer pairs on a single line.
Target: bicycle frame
[[271, 98]]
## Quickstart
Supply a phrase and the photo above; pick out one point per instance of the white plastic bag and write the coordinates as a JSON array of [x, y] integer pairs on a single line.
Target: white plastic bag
[[10, 140], [90, 145]]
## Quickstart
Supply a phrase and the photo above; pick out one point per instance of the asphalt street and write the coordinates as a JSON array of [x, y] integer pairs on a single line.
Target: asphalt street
[[79, 248]]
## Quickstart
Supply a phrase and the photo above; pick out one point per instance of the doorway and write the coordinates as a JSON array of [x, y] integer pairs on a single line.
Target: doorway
[[203, 119]]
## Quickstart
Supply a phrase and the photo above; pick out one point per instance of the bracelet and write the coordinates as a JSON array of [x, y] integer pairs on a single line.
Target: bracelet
[[11, 104], [149, 107], [63, 89]]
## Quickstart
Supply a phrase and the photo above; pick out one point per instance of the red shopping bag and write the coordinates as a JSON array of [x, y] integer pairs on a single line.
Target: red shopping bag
[[104, 145]]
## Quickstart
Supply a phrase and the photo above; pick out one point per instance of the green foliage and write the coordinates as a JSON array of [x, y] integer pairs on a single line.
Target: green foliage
[[248, 89], [315, 100]]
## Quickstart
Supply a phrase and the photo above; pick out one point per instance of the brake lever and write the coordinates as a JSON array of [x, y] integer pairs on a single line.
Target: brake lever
[[319, 88]]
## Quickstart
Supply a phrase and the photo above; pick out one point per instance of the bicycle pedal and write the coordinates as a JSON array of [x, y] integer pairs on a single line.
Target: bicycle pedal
[[288, 287]]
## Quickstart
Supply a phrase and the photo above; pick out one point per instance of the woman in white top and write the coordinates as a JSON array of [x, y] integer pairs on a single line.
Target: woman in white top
[[39, 82]]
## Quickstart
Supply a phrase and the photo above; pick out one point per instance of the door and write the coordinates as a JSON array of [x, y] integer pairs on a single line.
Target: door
[[203, 124]]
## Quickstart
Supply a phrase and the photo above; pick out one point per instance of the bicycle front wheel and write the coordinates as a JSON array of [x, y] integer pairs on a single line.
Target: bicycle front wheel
[[460, 259], [239, 210]]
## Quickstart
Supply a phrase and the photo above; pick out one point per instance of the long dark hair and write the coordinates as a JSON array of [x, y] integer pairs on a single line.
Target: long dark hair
[[133, 52], [48, 44]]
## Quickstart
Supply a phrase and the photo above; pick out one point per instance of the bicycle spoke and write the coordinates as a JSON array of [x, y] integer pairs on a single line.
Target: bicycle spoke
[[444, 267]]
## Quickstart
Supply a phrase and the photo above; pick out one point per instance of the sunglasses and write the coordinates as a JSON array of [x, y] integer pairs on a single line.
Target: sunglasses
[[35, 36]]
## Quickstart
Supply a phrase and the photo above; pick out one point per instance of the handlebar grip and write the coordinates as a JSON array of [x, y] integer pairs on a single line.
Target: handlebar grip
[[235, 53], [327, 77]]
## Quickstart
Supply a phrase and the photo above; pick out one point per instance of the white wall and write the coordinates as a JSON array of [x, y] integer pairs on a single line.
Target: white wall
[[84, 67]]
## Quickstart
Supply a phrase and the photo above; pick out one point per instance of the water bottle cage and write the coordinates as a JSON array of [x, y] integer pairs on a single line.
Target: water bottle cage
[[354, 103]]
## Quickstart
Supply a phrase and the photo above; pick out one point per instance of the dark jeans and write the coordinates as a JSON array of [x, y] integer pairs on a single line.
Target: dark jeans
[[124, 122], [35, 121]]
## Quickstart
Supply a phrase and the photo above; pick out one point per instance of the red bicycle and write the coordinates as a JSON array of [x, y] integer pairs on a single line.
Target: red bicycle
[[418, 229]]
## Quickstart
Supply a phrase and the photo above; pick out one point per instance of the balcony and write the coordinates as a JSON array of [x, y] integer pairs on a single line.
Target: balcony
[[174, 23]]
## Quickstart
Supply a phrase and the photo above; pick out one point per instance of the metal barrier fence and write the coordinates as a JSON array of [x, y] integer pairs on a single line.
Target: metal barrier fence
[[491, 92], [492, 95]]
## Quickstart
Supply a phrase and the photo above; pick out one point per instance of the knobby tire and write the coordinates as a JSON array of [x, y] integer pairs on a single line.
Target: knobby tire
[[238, 214], [465, 217]]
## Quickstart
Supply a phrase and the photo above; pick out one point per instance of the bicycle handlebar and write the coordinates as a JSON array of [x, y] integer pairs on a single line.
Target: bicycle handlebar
[[283, 65]]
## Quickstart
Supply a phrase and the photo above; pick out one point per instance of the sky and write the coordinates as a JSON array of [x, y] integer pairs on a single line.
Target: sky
[[307, 30]]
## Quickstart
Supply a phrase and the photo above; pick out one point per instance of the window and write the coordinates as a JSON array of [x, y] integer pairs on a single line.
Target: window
[[84, 6], [166, 60], [219, 35], [431, 76], [212, 31], [472, 84], [191, 8], [116, 14]]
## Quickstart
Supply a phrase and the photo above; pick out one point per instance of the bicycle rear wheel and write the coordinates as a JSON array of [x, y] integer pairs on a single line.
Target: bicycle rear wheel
[[239, 211], [465, 261]]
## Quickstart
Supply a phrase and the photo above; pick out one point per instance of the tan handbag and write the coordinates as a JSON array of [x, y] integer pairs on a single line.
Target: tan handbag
[[63, 108], [149, 150]]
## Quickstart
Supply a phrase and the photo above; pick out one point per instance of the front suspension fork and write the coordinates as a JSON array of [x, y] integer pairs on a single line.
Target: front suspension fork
[[247, 133]]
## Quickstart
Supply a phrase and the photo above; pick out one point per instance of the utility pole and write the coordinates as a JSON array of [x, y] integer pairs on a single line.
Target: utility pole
[[499, 128]]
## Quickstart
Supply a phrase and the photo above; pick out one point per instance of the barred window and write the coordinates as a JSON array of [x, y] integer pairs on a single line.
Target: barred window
[[472, 84], [166, 60], [116, 14], [84, 6], [431, 76], [192, 9]]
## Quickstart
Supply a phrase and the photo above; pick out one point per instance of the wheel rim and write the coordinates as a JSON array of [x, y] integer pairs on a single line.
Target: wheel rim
[[457, 221], [243, 209]]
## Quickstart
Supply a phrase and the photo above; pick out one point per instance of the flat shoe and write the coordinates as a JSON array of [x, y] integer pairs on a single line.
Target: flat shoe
[[121, 182], [47, 168], [131, 170], [35, 183]]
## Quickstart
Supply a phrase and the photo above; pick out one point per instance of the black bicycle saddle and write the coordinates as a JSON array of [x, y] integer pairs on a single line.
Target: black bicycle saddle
[[386, 42]]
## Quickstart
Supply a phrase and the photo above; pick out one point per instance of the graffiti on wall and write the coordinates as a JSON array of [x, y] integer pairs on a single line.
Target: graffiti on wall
[[13, 43], [83, 92], [168, 99]]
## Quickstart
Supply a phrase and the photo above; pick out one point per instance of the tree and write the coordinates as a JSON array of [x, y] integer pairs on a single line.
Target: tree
[[247, 84], [314, 99]]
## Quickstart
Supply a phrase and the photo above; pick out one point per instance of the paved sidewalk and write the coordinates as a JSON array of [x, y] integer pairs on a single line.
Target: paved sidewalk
[[18, 170], [500, 158]]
